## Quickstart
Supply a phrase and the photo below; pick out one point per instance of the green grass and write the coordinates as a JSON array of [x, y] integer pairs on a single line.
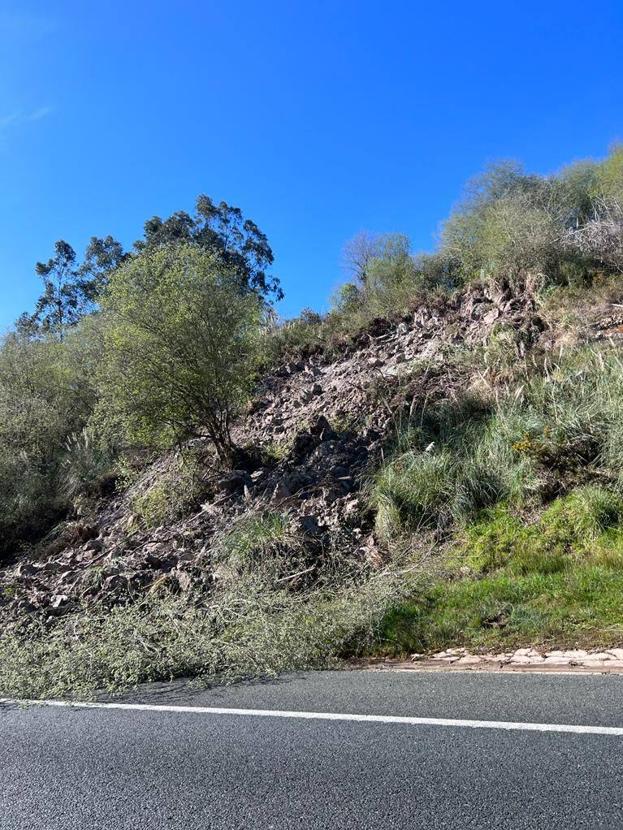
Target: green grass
[[556, 581], [456, 463], [253, 539], [583, 607]]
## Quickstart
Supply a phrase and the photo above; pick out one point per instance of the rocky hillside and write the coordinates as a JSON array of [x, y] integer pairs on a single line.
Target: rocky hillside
[[189, 488], [344, 529], [318, 427]]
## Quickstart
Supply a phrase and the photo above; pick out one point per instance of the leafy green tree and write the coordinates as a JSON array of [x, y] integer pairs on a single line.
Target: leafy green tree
[[102, 256], [357, 254], [391, 266], [374, 259], [223, 230], [389, 279], [181, 346], [60, 305], [70, 289]]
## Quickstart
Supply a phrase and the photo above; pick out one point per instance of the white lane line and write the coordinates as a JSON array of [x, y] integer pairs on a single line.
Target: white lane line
[[616, 731]]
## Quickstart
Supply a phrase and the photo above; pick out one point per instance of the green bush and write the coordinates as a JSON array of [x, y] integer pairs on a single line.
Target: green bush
[[579, 526], [567, 416], [46, 396], [291, 339], [510, 221], [389, 282], [416, 490], [170, 491]]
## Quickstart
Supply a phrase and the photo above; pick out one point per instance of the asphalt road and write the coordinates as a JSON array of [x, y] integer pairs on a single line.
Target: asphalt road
[[106, 768]]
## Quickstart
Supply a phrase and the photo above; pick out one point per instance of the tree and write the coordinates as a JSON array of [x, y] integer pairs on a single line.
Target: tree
[[181, 345], [377, 260], [102, 256], [70, 289], [223, 230], [391, 266], [60, 305], [357, 254]]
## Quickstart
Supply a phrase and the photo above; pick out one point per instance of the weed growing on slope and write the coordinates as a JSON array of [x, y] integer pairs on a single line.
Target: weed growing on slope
[[539, 439], [456, 463]]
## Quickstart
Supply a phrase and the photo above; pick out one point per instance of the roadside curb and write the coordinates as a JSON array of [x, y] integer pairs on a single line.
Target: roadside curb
[[531, 660]]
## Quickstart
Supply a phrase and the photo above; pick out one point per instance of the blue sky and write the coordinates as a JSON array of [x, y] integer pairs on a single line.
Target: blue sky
[[318, 119]]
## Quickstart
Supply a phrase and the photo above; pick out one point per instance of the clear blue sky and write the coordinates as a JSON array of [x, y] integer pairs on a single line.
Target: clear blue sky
[[318, 118]]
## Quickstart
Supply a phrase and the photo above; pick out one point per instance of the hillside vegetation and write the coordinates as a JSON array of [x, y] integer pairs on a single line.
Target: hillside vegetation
[[189, 487]]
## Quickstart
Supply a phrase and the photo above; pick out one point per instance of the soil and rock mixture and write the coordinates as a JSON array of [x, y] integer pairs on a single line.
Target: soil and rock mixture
[[318, 427]]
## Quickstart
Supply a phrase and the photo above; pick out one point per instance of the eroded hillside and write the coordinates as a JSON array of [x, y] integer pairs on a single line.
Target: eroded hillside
[[319, 428], [188, 487]]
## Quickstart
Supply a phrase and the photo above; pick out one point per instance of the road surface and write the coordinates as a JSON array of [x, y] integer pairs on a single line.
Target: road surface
[[435, 750]]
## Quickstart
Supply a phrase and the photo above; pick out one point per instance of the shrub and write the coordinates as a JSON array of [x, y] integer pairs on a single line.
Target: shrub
[[244, 631], [298, 337], [566, 226], [390, 283], [572, 529], [567, 417], [45, 397], [86, 469], [609, 179], [169, 491], [416, 490], [557, 429]]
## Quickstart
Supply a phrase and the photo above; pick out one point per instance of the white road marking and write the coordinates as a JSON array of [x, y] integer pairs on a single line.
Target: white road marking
[[616, 731]]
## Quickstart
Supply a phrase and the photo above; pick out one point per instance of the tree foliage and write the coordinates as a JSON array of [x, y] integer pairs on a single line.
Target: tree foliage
[[181, 345], [224, 231], [102, 256], [70, 289], [60, 304], [388, 279]]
